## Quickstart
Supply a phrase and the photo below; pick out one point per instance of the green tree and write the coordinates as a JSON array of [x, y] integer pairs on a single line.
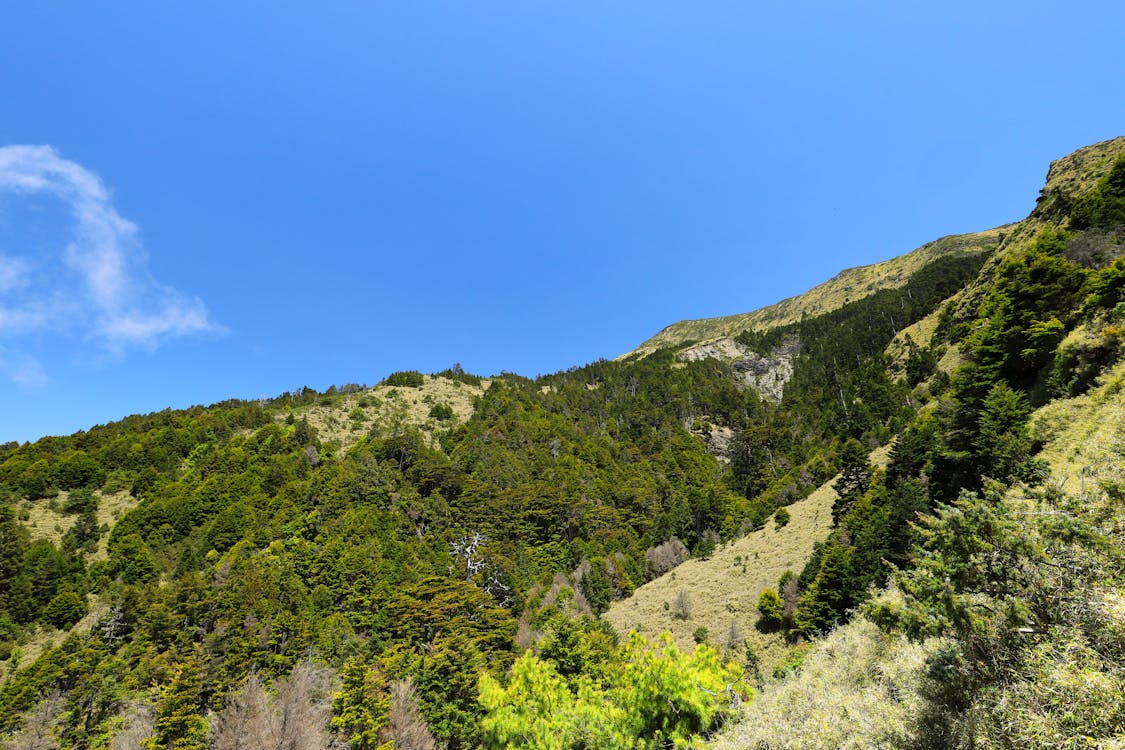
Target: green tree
[[769, 610], [64, 609], [658, 697], [1003, 443], [855, 474], [361, 707], [831, 594], [179, 725]]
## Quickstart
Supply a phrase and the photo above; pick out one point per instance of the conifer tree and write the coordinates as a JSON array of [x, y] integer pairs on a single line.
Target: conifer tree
[[179, 725]]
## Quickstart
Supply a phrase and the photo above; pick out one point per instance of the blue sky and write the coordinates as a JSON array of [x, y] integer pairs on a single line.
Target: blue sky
[[208, 200]]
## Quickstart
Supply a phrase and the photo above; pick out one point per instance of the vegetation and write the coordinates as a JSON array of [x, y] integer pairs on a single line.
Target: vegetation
[[437, 561]]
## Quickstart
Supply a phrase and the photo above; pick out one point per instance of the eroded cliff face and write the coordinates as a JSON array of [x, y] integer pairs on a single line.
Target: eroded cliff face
[[765, 374]]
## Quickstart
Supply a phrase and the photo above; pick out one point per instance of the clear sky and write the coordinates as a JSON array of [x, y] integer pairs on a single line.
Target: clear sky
[[203, 200]]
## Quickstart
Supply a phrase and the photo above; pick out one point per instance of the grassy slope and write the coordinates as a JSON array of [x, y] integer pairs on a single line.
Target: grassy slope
[[724, 588], [386, 406], [1069, 175], [847, 286], [859, 688]]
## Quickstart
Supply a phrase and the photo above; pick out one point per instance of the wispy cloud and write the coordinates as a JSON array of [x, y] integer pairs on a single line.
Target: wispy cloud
[[22, 369], [96, 285]]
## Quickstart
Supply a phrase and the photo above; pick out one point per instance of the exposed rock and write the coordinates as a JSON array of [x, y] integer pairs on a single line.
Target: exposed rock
[[766, 375]]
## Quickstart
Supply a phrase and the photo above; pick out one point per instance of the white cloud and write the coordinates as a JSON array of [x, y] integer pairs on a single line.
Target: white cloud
[[22, 369], [13, 273], [98, 286]]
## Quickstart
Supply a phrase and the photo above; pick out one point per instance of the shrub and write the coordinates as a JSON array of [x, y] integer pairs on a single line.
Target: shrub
[[664, 557], [681, 605], [441, 411], [769, 609]]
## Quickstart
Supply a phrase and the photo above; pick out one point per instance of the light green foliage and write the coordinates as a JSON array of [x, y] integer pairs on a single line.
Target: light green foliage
[[769, 609], [179, 725], [658, 696], [856, 689], [361, 707]]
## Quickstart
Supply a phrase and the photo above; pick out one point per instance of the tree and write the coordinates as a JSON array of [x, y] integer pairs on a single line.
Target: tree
[[1003, 443], [362, 704], [769, 610], [855, 473], [296, 717], [65, 609], [831, 594], [179, 725], [658, 697]]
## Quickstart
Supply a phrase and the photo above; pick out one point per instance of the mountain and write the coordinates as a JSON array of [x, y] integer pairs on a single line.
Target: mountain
[[904, 486], [848, 285]]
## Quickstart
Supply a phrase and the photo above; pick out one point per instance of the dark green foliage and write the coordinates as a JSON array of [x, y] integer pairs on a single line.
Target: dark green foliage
[[855, 473], [441, 411], [921, 362], [1003, 442], [405, 379], [456, 373], [1104, 205], [64, 609], [80, 501]]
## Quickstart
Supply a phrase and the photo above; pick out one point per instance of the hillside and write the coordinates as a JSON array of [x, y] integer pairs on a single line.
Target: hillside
[[723, 588], [847, 286], [447, 560]]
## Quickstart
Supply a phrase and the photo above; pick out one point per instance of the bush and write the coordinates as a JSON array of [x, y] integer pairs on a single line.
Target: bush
[[441, 411], [681, 605], [769, 610]]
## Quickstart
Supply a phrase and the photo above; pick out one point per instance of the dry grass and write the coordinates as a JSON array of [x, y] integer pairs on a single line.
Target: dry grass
[[724, 588], [847, 286], [857, 688], [1080, 432], [388, 407], [45, 519]]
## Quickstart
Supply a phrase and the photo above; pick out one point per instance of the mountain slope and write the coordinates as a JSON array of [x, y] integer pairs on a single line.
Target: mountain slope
[[847, 286], [366, 555]]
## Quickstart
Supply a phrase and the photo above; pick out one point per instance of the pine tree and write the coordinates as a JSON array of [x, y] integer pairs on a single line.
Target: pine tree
[[855, 474], [179, 726]]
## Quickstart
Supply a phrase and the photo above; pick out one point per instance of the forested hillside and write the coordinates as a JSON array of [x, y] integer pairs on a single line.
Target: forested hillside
[[424, 563]]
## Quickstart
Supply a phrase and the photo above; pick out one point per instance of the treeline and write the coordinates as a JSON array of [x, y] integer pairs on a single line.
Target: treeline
[[249, 548]]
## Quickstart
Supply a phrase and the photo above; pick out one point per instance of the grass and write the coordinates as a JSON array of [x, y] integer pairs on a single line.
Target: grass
[[857, 688], [344, 419], [45, 520], [724, 587], [1080, 432], [847, 286]]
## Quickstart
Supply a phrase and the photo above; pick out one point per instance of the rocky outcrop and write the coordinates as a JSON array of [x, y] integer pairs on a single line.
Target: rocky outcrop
[[765, 374]]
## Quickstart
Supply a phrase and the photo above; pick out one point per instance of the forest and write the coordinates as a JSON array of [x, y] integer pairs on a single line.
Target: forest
[[234, 576]]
